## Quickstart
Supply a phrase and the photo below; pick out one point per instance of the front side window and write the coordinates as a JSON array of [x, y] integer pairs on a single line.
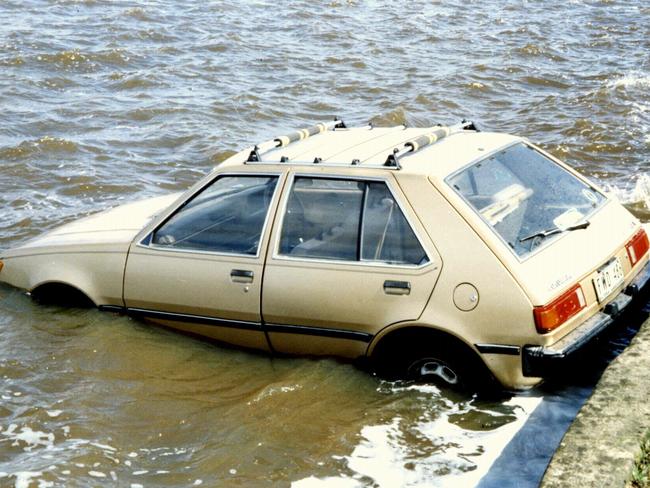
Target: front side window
[[347, 220], [226, 217], [527, 198]]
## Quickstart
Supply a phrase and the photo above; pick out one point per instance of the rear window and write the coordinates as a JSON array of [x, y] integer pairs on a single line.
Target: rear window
[[527, 198]]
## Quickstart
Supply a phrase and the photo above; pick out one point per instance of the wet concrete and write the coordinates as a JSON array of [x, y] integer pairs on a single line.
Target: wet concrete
[[599, 448]]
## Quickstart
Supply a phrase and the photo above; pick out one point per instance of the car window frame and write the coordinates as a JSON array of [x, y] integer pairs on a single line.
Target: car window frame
[[146, 241], [447, 180], [282, 210]]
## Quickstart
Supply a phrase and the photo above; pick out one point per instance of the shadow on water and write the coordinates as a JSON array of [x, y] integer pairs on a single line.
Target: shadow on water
[[523, 462]]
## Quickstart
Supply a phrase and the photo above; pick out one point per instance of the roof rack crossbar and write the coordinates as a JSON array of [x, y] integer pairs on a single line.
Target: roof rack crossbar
[[255, 155], [425, 140]]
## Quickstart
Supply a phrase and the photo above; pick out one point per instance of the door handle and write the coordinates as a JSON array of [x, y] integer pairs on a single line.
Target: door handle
[[392, 287], [241, 276]]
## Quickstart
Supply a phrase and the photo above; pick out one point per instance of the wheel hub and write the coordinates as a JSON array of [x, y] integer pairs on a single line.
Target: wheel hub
[[433, 367]]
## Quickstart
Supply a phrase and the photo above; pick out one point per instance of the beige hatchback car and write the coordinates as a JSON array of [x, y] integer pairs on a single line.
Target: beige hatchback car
[[443, 253]]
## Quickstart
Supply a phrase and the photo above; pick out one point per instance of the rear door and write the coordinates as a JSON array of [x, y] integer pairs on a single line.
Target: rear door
[[347, 259], [200, 270]]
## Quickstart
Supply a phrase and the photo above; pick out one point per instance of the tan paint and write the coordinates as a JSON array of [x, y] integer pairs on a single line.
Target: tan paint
[[236, 337], [285, 343]]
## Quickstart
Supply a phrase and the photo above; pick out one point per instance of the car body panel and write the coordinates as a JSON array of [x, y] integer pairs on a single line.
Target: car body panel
[[181, 288], [97, 274], [503, 314], [572, 257], [320, 294], [104, 231], [88, 254]]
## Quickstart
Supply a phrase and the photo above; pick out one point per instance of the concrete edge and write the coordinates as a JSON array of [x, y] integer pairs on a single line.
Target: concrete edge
[[598, 449]]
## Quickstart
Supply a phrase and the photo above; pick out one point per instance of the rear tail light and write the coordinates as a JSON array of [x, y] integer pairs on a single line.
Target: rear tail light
[[560, 310], [637, 247]]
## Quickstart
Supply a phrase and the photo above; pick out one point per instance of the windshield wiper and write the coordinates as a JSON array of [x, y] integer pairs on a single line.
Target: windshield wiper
[[556, 230]]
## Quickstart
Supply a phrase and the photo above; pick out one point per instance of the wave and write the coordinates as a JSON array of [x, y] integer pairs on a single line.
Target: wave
[[634, 194], [637, 190], [76, 59], [46, 144], [632, 80]]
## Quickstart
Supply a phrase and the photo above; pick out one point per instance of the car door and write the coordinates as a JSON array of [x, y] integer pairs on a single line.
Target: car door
[[347, 259], [200, 269]]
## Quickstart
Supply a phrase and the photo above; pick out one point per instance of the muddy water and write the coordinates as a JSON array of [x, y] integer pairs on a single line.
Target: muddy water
[[103, 103]]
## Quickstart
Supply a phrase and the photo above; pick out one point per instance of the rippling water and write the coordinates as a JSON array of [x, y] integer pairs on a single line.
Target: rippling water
[[109, 102]]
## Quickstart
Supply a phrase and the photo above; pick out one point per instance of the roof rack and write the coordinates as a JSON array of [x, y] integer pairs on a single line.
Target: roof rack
[[337, 164], [392, 161], [255, 155], [425, 140]]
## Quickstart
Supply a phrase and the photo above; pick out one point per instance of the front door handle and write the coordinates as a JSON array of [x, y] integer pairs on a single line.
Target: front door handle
[[392, 287], [241, 276]]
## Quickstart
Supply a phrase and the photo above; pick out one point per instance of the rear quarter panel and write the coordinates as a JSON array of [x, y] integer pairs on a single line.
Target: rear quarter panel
[[503, 314]]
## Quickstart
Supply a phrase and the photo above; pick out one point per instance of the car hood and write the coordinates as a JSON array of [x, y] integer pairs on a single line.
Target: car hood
[[109, 231]]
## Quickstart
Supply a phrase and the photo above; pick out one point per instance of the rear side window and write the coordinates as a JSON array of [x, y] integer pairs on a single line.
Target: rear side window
[[347, 220], [226, 217]]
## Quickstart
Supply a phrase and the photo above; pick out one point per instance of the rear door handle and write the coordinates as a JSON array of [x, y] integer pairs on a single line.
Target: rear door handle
[[392, 287], [241, 276]]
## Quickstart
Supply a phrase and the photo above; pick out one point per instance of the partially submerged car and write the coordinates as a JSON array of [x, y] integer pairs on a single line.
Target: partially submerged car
[[441, 253]]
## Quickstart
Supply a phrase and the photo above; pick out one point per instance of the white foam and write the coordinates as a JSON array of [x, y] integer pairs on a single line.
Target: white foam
[[54, 413], [456, 456], [32, 438], [635, 191], [313, 482], [273, 390], [631, 80], [23, 478], [105, 447]]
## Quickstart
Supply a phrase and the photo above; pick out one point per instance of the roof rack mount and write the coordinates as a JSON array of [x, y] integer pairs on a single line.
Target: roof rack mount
[[255, 155], [425, 140]]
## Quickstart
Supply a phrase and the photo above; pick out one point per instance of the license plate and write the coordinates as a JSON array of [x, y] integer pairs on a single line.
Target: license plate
[[609, 277]]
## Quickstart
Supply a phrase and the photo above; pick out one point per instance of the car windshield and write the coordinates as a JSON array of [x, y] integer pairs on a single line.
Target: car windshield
[[527, 198]]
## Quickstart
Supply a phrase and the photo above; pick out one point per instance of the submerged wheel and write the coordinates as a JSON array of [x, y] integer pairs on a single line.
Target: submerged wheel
[[432, 370], [436, 360], [61, 294]]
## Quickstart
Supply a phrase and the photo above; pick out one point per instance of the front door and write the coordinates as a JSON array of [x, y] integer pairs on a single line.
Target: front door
[[200, 270], [346, 261]]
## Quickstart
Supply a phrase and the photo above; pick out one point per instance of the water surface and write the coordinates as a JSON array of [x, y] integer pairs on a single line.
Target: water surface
[[104, 103]]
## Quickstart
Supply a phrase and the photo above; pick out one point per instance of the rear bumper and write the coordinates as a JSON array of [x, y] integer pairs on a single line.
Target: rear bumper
[[539, 361]]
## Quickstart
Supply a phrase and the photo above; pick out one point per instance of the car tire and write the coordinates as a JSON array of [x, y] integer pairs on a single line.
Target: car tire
[[446, 365]]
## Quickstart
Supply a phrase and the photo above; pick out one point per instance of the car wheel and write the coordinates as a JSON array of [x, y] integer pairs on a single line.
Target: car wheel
[[445, 364], [435, 370]]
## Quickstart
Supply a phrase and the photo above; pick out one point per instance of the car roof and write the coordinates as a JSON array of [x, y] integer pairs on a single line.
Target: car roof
[[371, 146]]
